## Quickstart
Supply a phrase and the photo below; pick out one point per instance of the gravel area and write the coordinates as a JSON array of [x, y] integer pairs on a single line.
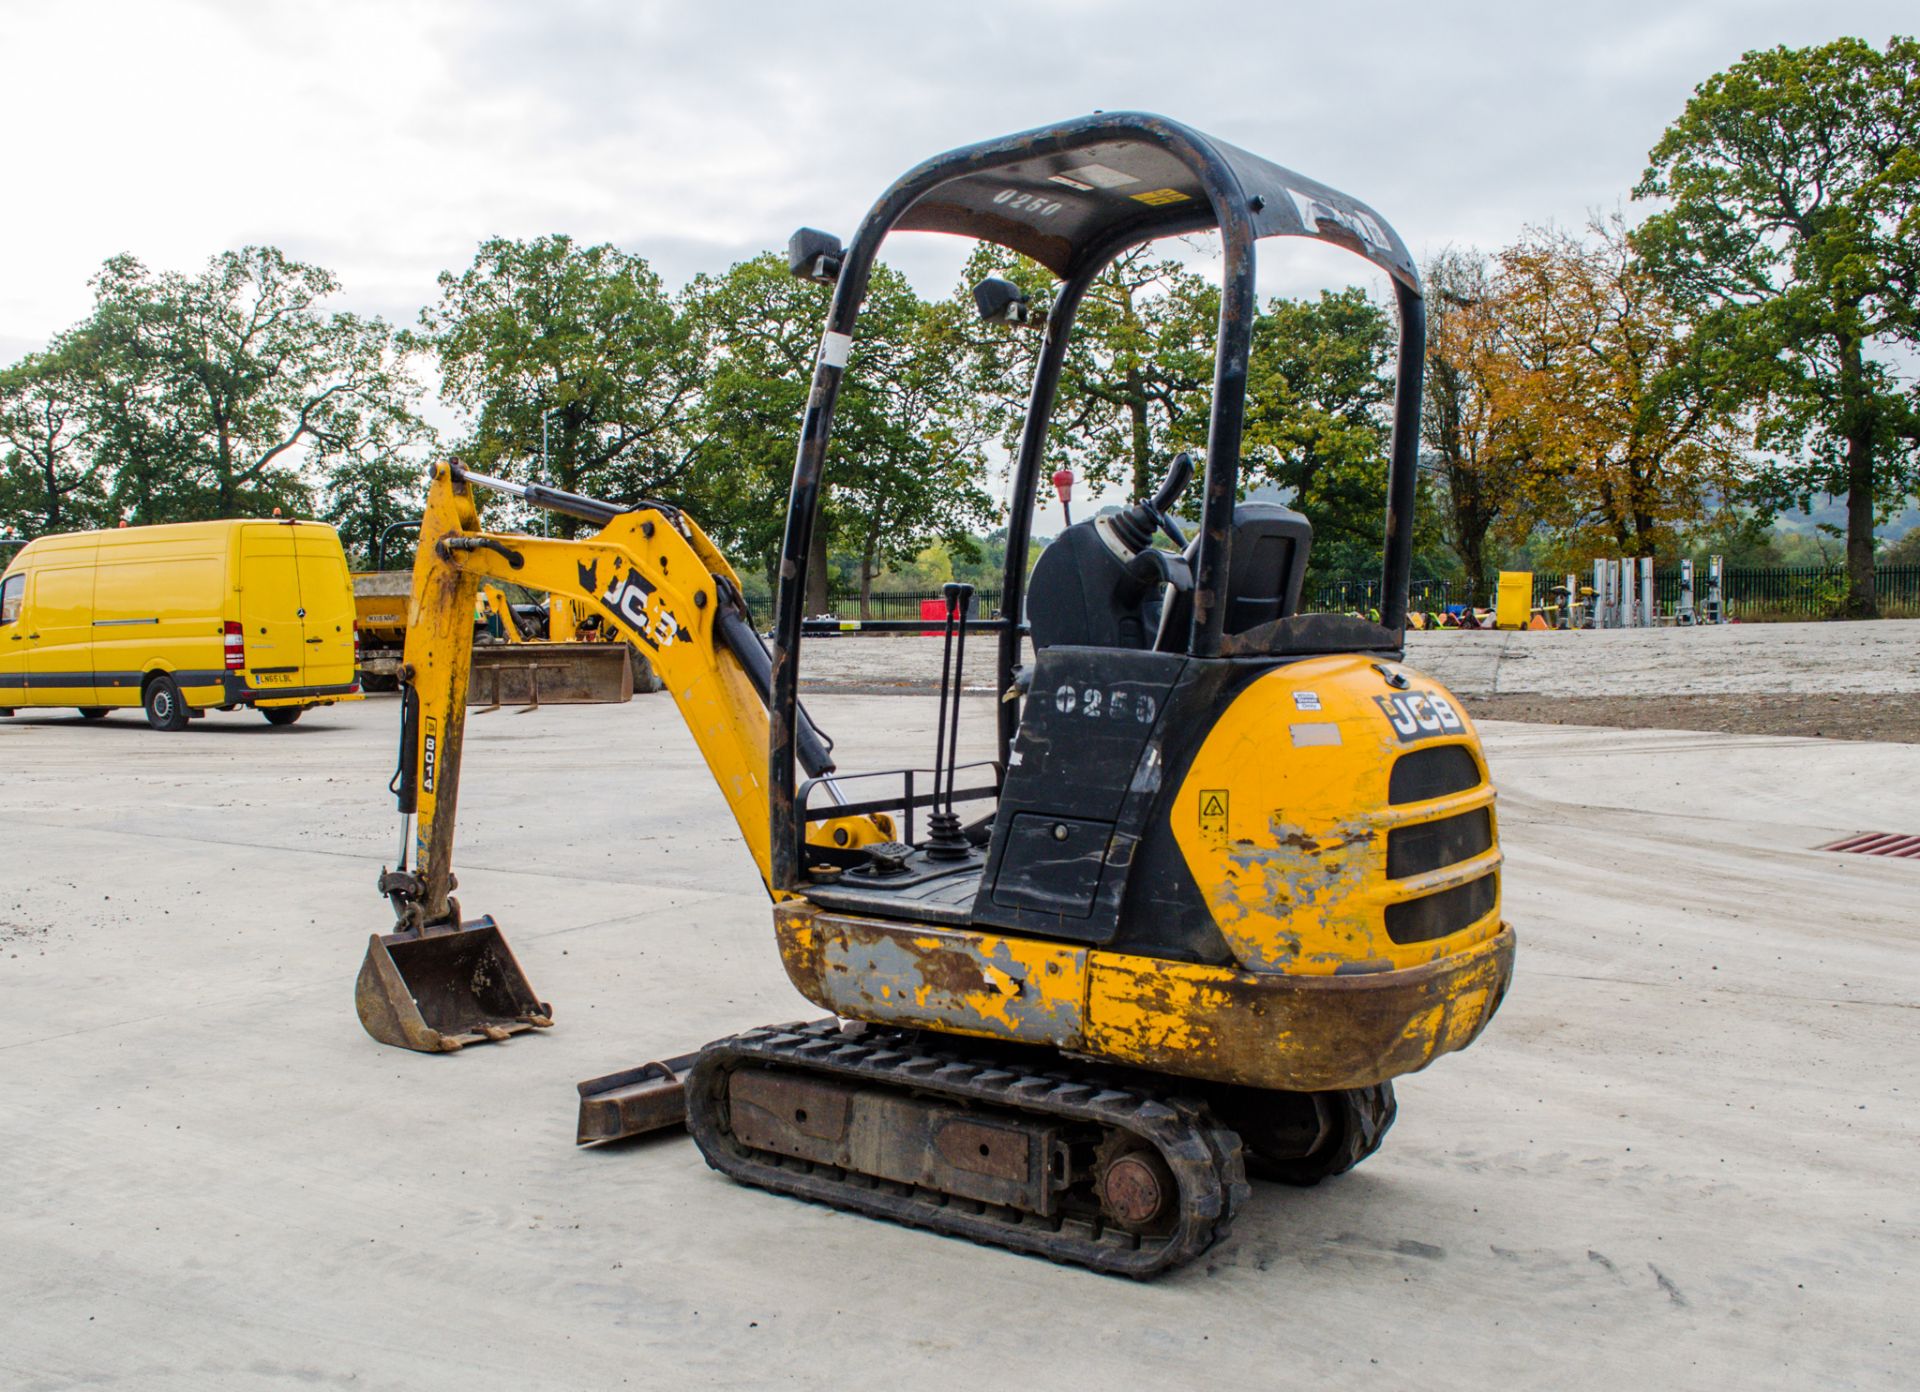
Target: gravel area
[[1830, 680]]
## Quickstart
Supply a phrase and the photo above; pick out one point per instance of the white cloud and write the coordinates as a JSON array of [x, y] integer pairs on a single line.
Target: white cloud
[[385, 140]]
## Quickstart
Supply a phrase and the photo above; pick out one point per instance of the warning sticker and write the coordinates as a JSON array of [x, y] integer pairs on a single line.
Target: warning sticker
[[1070, 182], [1306, 700], [1099, 176], [1213, 814], [1159, 197]]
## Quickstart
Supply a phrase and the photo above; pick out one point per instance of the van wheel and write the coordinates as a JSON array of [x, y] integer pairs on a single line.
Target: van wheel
[[283, 715], [93, 712], [161, 700]]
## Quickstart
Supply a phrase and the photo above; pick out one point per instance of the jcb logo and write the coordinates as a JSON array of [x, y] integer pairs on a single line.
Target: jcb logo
[[1421, 715], [628, 597]]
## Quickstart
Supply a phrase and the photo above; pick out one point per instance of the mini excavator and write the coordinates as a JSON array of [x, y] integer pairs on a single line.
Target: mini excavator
[[1237, 867]]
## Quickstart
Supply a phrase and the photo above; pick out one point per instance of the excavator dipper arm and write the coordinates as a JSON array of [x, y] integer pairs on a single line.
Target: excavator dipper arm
[[654, 579]]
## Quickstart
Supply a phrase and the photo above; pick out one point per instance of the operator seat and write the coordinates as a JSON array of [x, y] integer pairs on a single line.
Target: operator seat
[[1265, 571]]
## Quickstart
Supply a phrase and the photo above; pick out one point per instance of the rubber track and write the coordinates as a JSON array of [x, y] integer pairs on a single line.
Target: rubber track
[[1204, 1156]]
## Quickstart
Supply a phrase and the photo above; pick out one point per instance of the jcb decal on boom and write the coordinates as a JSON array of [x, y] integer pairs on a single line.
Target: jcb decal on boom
[[629, 597], [1421, 715]]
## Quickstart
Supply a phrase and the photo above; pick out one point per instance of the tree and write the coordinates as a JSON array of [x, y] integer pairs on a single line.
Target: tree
[[1319, 385], [49, 479], [1792, 227], [372, 476], [211, 388], [1606, 391], [582, 340], [756, 330], [906, 460], [910, 456], [1137, 381], [1470, 446]]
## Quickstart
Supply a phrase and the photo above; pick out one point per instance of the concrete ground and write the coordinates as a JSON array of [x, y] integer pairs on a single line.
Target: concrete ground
[[1682, 1156]]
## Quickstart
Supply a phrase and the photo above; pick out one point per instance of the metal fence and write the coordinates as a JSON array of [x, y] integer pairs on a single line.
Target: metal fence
[[1752, 593], [1760, 593]]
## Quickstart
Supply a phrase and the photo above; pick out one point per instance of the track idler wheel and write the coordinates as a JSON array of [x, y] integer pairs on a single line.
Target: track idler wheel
[[1302, 1138]]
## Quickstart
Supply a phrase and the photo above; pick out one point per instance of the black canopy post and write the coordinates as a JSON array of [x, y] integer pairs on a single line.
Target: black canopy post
[[1403, 458]]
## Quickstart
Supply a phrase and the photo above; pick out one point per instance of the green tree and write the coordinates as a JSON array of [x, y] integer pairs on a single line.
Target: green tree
[[907, 457], [910, 461], [756, 330], [211, 389], [50, 480], [1318, 390], [582, 340], [1137, 381], [1791, 185]]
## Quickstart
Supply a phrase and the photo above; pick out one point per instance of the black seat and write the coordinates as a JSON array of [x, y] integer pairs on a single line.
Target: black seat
[[1265, 573]]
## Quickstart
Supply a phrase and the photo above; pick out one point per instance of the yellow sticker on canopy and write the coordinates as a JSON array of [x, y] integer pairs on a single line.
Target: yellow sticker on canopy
[[1156, 197]]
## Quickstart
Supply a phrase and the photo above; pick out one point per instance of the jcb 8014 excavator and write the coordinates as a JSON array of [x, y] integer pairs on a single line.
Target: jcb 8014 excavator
[[1238, 868]]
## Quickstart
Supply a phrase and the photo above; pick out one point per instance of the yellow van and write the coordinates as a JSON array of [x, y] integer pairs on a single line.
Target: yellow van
[[177, 619]]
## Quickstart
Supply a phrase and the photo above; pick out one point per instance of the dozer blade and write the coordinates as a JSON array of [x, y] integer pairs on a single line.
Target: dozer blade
[[634, 1101], [550, 674], [438, 991]]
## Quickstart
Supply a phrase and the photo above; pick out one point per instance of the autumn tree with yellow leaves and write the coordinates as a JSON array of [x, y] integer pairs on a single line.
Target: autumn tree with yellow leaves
[[1615, 437]]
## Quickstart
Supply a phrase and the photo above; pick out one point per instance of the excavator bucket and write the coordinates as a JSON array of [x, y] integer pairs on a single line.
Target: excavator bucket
[[550, 674], [437, 991]]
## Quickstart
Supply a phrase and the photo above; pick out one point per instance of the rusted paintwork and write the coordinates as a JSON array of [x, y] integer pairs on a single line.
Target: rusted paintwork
[[634, 1101], [1296, 1032], [436, 992], [984, 984], [1284, 818], [998, 1159], [1293, 1032]]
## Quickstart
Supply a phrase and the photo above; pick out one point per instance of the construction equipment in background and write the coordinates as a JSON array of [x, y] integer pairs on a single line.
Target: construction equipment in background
[[1513, 601], [515, 666], [380, 599], [1231, 870]]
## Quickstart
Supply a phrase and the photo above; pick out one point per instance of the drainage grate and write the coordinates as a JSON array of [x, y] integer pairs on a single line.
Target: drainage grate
[[1880, 843]]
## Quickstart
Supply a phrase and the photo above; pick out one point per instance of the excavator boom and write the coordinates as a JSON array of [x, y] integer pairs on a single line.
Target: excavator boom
[[653, 578]]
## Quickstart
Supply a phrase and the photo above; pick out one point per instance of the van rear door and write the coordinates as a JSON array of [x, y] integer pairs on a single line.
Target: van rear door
[[326, 599], [270, 606]]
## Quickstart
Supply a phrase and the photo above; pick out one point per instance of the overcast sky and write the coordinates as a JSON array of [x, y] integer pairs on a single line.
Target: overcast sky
[[383, 140]]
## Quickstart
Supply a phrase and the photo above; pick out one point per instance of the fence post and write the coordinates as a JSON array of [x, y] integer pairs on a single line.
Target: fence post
[[1629, 595], [1647, 604]]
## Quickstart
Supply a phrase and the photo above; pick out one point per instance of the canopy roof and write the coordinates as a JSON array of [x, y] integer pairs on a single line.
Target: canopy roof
[[1101, 183]]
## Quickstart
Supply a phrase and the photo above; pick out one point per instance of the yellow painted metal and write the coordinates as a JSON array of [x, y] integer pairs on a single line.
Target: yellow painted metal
[[651, 578], [563, 619], [1298, 1032], [1513, 602], [986, 984], [1283, 817], [103, 611]]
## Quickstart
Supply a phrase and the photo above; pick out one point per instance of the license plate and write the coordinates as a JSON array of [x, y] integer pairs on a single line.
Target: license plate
[[274, 678]]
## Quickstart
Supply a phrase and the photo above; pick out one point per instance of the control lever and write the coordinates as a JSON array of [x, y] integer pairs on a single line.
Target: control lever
[[946, 840]]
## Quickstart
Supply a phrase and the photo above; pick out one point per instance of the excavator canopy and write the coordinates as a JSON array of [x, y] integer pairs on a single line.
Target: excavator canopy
[[1061, 194]]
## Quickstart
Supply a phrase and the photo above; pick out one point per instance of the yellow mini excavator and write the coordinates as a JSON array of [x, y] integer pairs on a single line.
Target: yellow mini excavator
[[1232, 869]]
